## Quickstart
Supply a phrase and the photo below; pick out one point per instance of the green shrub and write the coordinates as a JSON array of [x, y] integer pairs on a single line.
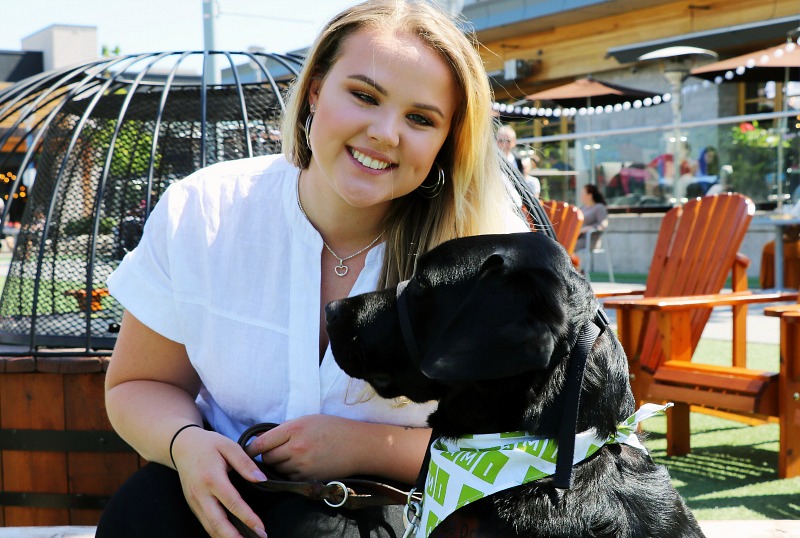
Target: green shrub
[[83, 226]]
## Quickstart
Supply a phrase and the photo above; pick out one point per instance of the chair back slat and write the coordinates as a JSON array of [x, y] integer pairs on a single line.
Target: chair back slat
[[695, 252], [567, 220], [661, 252]]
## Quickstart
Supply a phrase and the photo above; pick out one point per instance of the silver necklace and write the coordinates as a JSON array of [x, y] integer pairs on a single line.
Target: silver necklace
[[341, 269]]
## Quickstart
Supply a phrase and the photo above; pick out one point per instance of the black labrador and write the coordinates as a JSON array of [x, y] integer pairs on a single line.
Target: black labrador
[[492, 328]]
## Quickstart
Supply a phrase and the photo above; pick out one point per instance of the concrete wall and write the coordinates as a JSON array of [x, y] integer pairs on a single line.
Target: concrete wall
[[632, 239]]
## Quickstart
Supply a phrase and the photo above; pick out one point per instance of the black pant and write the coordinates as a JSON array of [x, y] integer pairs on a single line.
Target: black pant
[[151, 505]]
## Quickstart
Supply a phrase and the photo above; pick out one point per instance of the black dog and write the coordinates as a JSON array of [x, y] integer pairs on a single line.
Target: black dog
[[491, 325]]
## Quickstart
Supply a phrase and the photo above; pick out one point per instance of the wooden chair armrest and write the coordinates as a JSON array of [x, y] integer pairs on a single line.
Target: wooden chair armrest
[[604, 290], [781, 310], [691, 302], [621, 292]]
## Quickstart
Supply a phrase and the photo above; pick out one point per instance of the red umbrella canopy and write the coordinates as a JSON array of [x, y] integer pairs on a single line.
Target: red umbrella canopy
[[758, 66], [590, 92]]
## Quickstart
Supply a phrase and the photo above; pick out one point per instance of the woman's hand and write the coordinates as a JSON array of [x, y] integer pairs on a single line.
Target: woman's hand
[[323, 447], [317, 447], [203, 459]]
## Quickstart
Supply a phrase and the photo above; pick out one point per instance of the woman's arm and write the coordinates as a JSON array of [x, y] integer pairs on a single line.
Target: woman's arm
[[323, 447], [150, 389], [150, 394]]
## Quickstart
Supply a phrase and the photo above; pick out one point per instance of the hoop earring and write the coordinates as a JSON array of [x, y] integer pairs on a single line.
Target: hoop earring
[[308, 125], [432, 191]]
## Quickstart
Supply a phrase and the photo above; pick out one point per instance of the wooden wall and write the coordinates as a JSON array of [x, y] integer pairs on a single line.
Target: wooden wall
[[575, 50]]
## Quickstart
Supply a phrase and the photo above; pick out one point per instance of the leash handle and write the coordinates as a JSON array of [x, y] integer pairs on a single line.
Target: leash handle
[[349, 493]]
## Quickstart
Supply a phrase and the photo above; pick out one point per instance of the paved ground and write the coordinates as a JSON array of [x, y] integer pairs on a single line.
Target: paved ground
[[5, 259], [760, 328]]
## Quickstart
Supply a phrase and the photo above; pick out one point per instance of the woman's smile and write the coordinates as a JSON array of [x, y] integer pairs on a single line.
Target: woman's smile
[[373, 163]]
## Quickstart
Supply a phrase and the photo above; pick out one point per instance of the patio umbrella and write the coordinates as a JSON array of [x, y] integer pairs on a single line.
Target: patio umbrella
[[764, 65], [586, 92], [780, 64], [589, 92]]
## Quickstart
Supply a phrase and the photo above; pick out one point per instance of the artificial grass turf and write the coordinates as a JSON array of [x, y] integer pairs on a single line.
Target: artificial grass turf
[[731, 472]]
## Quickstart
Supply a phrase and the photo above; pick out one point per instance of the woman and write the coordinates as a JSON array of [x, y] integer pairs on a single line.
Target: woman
[[388, 151], [595, 215], [708, 178], [708, 163]]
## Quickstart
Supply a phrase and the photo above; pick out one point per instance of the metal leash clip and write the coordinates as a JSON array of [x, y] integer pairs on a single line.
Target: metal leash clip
[[412, 513], [345, 492]]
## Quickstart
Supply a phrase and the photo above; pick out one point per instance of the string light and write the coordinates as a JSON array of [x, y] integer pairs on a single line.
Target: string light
[[729, 75], [582, 111]]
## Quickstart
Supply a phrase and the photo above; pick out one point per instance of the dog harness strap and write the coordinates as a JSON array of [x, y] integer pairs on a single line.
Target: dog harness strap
[[590, 331], [405, 324], [423, 470]]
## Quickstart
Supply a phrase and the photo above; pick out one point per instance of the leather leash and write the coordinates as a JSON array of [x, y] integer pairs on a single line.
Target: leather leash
[[351, 493]]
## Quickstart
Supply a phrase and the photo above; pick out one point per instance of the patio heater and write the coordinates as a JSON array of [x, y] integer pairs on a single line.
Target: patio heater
[[677, 63], [105, 139]]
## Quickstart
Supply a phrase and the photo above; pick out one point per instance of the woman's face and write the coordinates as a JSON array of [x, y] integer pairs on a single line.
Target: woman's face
[[586, 197], [383, 112]]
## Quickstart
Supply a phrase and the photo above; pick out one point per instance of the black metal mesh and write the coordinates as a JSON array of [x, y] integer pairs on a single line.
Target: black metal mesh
[[105, 154]]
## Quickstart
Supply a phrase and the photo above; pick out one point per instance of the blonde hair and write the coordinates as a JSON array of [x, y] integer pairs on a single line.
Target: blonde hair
[[474, 200]]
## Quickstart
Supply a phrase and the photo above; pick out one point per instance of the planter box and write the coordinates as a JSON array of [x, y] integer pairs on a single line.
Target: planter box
[[60, 461]]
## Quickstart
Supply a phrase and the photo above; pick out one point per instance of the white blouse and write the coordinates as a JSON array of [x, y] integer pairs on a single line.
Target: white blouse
[[229, 267]]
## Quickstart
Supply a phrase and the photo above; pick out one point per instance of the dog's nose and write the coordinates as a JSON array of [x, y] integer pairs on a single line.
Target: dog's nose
[[332, 311]]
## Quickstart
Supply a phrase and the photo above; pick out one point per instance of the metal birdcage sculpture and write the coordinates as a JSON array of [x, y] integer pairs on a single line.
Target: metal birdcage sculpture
[[104, 140]]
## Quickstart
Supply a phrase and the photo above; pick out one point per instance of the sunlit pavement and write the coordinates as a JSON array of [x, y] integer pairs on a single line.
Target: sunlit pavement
[[760, 328]]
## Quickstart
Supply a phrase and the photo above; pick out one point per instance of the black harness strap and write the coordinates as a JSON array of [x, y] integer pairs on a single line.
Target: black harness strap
[[405, 325], [590, 331]]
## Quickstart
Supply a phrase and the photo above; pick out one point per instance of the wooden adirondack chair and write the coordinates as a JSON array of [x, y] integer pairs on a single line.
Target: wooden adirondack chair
[[788, 388], [696, 251], [567, 220]]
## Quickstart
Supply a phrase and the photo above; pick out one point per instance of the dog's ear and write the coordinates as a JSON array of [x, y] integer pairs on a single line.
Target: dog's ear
[[492, 262], [499, 330]]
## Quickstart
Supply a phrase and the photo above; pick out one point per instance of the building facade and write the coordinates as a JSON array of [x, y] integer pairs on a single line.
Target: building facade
[[534, 45]]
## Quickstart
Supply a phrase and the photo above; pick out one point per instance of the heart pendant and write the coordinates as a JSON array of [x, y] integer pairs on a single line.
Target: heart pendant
[[341, 269]]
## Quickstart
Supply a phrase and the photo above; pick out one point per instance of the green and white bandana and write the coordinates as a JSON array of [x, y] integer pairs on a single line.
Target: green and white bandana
[[464, 470]]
